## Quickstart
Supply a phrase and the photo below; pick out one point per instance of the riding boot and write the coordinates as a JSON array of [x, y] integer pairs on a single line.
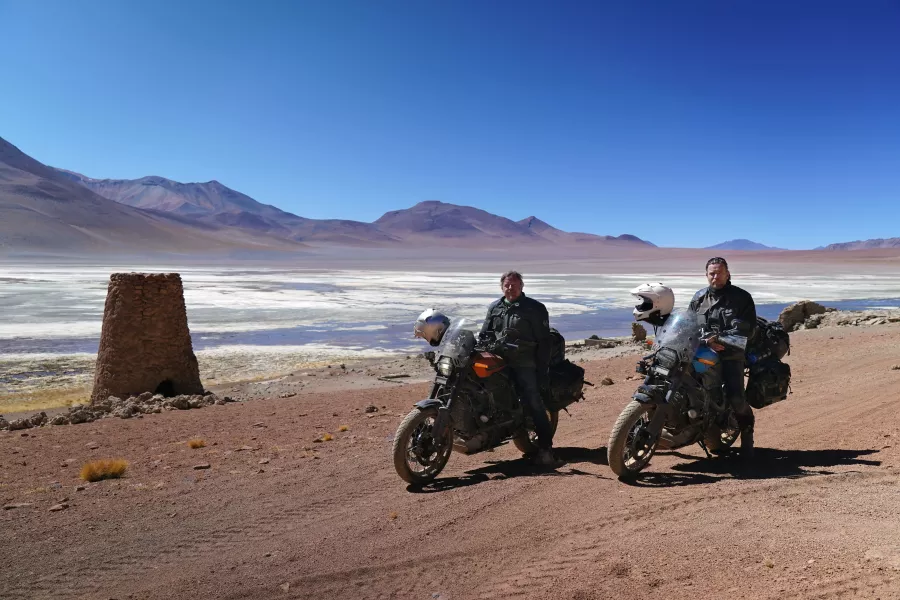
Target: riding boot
[[746, 423], [545, 458], [747, 443]]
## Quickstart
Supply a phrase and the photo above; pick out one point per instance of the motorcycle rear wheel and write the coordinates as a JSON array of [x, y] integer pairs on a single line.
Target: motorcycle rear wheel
[[417, 459], [527, 442], [628, 450]]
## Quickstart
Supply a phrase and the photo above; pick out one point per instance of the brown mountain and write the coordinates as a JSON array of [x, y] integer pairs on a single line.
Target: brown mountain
[[42, 210], [865, 244], [442, 220], [547, 231], [216, 204], [452, 222], [159, 193]]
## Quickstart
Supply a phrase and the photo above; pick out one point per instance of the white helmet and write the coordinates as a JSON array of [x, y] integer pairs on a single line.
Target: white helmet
[[430, 326], [656, 299]]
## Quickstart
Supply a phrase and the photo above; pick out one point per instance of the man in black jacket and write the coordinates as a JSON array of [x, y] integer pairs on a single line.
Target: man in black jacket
[[729, 309], [524, 322]]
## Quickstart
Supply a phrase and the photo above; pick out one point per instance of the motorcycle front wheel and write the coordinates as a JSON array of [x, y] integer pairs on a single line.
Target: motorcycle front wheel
[[630, 443], [417, 458]]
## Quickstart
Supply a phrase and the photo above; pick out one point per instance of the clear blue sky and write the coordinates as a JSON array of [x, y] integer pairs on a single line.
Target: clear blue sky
[[775, 121]]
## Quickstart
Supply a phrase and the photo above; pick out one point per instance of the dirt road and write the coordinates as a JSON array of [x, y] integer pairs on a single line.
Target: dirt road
[[277, 515]]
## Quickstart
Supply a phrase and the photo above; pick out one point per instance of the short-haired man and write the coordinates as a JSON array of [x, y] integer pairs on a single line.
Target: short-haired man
[[729, 309], [525, 323]]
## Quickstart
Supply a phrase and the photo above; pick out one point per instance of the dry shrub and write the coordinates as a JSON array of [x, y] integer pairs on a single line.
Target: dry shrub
[[344, 428], [327, 437], [196, 443], [104, 469]]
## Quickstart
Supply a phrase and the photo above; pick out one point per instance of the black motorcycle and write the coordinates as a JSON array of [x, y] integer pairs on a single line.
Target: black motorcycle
[[681, 400], [473, 406]]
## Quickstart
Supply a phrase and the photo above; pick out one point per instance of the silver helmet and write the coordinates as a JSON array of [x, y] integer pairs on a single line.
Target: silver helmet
[[430, 326]]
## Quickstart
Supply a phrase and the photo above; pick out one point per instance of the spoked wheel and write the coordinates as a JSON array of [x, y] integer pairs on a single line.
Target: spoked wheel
[[527, 442], [630, 443], [417, 458]]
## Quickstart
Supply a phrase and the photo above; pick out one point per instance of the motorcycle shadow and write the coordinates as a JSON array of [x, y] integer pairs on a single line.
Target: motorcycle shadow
[[520, 467], [767, 463]]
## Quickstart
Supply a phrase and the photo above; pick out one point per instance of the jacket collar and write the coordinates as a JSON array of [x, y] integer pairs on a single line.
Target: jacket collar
[[719, 293], [515, 302]]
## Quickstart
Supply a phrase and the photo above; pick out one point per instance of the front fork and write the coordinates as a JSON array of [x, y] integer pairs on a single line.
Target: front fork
[[665, 409], [443, 423], [658, 420]]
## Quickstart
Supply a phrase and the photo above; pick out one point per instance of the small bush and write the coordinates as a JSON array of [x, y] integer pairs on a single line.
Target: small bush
[[344, 428], [196, 443], [327, 437], [104, 469]]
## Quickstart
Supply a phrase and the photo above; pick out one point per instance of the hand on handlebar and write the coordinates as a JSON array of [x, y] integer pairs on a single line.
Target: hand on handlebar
[[712, 342], [490, 343], [501, 344]]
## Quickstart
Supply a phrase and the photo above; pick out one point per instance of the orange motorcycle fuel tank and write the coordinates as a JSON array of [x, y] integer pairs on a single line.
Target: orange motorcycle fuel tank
[[486, 364]]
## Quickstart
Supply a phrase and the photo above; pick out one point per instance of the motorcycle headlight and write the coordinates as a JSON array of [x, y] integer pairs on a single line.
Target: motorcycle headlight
[[445, 366], [667, 357]]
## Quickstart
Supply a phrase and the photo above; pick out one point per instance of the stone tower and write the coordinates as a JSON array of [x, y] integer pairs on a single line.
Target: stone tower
[[145, 344]]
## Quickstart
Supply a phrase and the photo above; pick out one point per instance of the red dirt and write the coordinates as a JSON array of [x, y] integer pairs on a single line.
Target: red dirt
[[814, 517]]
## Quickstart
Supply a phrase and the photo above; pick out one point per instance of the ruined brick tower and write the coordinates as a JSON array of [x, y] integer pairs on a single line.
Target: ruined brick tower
[[145, 344]]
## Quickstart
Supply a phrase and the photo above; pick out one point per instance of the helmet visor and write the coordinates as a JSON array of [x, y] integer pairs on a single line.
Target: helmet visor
[[645, 304]]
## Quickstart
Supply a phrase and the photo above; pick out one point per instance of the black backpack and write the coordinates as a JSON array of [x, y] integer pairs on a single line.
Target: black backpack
[[769, 382], [557, 347], [566, 378], [566, 385], [772, 337]]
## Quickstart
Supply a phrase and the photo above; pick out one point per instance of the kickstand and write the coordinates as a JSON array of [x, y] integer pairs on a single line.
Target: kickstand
[[703, 445]]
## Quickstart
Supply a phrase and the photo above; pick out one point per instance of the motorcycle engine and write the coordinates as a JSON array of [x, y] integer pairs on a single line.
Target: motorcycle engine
[[463, 412], [482, 405]]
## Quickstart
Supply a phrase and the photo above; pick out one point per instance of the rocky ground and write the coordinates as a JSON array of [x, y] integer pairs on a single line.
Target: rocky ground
[[811, 315], [293, 495]]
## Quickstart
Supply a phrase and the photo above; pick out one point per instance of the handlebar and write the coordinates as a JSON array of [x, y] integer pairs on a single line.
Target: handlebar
[[729, 340], [493, 345]]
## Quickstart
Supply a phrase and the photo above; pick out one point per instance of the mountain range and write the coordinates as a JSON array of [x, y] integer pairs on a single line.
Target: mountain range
[[215, 203], [50, 210], [47, 209], [43, 210], [875, 244]]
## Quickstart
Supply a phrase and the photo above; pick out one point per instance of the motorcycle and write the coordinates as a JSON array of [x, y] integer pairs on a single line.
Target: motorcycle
[[680, 401], [473, 406]]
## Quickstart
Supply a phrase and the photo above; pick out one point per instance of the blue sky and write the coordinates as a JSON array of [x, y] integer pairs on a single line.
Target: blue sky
[[687, 123]]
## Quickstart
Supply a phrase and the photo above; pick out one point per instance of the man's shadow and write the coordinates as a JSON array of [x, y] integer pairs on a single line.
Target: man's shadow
[[767, 463], [520, 467]]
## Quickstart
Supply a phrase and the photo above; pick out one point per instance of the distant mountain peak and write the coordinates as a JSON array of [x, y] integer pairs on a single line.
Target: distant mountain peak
[[741, 244], [873, 244], [537, 225]]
